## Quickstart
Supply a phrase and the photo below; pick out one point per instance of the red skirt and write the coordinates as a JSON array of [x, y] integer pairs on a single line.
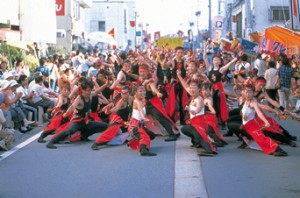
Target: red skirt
[[199, 123], [211, 120], [223, 105], [115, 123], [141, 138], [274, 126], [265, 143]]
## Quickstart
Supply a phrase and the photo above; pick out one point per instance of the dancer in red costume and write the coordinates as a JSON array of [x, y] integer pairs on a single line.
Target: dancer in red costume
[[119, 118], [124, 77], [215, 75], [57, 119], [154, 105], [275, 130], [140, 138], [249, 111], [176, 90], [80, 121], [197, 127], [210, 116]]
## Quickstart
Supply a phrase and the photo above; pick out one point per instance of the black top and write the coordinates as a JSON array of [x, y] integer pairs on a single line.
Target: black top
[[215, 75], [161, 73], [125, 113], [86, 107], [66, 105], [178, 65]]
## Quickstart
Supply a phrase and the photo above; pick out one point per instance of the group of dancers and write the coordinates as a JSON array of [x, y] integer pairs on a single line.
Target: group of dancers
[[162, 91]]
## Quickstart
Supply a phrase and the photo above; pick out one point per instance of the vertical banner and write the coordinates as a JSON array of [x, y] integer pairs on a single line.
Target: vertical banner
[[295, 17], [149, 40], [60, 7]]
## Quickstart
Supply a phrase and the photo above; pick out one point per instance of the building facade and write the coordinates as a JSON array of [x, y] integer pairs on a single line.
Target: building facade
[[243, 17], [107, 15]]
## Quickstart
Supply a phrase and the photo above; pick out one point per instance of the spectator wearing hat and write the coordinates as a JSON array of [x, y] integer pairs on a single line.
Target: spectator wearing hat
[[3, 68], [7, 136], [5, 89], [8, 76], [18, 114]]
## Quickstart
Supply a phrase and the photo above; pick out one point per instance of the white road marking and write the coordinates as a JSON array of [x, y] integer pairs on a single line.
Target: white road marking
[[189, 181], [19, 146]]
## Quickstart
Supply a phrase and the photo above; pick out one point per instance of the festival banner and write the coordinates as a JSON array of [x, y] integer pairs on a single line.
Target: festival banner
[[249, 47], [170, 43], [60, 6], [295, 16], [274, 47]]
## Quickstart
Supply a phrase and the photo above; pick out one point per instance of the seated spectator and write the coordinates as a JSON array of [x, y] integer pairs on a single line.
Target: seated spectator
[[40, 98], [3, 68], [18, 114], [7, 136], [26, 97]]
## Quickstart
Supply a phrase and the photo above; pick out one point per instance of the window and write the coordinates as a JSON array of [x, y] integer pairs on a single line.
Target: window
[[101, 26], [280, 13], [97, 26]]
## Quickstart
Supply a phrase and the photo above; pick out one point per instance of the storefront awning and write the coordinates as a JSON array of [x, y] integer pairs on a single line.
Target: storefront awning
[[283, 35]]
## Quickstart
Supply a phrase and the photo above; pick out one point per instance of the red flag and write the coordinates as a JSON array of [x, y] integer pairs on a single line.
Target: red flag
[[112, 32], [132, 23]]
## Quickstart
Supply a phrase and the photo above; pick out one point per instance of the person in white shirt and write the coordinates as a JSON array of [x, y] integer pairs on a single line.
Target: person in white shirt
[[270, 76], [26, 96], [40, 98], [259, 64]]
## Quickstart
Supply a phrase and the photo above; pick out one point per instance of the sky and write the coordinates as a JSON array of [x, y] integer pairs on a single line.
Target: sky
[[169, 16]]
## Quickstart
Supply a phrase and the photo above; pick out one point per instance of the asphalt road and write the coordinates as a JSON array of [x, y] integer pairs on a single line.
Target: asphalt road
[[74, 170]]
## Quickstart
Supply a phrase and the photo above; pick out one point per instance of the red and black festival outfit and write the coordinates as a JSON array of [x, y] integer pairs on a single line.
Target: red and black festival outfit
[[80, 122], [275, 130], [138, 133], [117, 121], [162, 86], [176, 90], [213, 130], [219, 98], [196, 130], [155, 108], [117, 90], [56, 121]]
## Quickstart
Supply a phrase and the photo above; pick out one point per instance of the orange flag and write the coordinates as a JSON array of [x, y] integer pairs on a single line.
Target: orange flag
[[112, 32]]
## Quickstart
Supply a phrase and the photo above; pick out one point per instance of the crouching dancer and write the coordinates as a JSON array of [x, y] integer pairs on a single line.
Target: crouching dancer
[[80, 121], [252, 127], [139, 134], [197, 127], [119, 117]]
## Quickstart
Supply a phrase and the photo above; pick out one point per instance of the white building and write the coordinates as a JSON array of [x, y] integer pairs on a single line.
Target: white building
[[106, 15], [30, 20], [246, 16], [70, 16]]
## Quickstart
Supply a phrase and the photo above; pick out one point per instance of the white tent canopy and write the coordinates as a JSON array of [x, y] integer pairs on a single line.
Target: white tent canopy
[[96, 38]]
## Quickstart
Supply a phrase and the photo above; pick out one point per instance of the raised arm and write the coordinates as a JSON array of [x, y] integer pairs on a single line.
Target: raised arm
[[224, 68]]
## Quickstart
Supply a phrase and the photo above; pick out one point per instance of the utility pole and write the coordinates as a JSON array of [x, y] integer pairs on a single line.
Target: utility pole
[[209, 19], [135, 15]]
